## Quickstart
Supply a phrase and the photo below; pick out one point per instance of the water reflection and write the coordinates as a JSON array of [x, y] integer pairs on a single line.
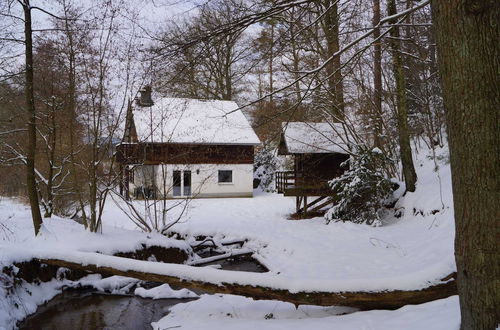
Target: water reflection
[[75, 310]]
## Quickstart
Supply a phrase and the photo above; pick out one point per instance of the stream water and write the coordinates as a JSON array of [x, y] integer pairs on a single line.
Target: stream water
[[85, 309], [74, 310]]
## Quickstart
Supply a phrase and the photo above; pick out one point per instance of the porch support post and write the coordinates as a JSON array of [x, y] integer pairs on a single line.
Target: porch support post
[[298, 204], [304, 214], [127, 179], [120, 179]]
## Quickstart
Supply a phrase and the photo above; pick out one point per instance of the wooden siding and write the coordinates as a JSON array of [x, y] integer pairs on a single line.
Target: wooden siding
[[173, 153], [313, 169]]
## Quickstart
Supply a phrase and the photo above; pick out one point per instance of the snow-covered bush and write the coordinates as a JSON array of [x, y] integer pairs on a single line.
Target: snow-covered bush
[[266, 164], [362, 190]]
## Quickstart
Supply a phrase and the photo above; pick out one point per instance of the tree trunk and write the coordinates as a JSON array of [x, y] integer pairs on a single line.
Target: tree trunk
[[271, 58], [30, 106], [295, 57], [335, 83], [402, 104], [51, 162], [377, 79], [71, 103], [467, 34]]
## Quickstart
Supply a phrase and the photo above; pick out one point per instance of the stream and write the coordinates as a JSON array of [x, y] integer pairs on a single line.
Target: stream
[[88, 309]]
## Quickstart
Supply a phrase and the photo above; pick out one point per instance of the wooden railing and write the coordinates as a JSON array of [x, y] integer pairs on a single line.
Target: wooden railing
[[284, 179]]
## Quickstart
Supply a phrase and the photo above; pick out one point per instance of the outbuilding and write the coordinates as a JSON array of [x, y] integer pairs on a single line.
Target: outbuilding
[[318, 150]]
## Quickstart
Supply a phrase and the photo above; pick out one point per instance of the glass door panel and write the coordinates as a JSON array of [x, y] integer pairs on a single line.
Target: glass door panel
[[187, 183], [177, 183]]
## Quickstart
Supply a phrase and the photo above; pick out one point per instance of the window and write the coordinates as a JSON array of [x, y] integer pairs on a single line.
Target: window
[[177, 183], [225, 176]]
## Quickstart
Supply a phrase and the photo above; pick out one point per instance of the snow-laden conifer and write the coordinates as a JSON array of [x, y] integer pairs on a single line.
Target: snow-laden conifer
[[363, 189]]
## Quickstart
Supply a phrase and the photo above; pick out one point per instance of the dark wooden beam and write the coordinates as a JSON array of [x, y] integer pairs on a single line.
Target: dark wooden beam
[[178, 153], [320, 206], [308, 191], [316, 201]]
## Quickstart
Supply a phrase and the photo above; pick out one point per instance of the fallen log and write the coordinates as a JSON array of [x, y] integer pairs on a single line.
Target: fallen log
[[233, 242], [209, 243], [228, 255], [199, 245], [264, 286]]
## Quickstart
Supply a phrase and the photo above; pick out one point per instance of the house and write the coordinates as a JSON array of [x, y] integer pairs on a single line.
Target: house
[[318, 150], [178, 148]]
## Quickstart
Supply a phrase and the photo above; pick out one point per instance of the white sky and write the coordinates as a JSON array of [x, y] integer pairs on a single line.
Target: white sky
[[152, 14]]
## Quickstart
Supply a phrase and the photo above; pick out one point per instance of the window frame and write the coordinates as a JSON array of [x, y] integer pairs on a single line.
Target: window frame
[[225, 182]]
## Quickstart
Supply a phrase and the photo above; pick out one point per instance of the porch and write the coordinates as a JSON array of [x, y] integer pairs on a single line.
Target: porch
[[311, 194]]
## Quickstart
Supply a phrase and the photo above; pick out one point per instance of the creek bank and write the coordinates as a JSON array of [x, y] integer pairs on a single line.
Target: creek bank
[[92, 307], [86, 308]]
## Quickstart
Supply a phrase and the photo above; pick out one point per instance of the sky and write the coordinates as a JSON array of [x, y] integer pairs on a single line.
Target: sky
[[152, 15], [146, 16]]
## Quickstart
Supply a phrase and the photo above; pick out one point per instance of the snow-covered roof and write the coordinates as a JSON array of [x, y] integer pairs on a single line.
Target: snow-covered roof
[[307, 137], [181, 120]]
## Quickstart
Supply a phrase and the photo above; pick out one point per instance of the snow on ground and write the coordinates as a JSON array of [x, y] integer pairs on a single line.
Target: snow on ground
[[234, 312], [16, 231], [164, 291], [409, 252], [17, 243], [113, 284]]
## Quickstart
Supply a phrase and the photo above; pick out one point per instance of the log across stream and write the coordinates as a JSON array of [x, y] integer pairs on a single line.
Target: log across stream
[[257, 286], [364, 300]]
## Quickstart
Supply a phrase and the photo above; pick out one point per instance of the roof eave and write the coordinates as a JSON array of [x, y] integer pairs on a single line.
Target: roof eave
[[206, 143]]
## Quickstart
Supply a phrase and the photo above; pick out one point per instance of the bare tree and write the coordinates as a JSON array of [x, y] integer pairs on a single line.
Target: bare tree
[[409, 173], [89, 41], [30, 107], [52, 155], [212, 68]]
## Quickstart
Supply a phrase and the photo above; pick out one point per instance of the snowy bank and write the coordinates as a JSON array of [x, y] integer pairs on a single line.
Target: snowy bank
[[233, 312]]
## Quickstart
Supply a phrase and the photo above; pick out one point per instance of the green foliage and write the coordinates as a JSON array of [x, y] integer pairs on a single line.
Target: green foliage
[[362, 189], [266, 163]]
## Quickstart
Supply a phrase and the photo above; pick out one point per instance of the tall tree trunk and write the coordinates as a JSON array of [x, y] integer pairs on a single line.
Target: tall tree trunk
[[71, 108], [51, 163], [30, 106], [295, 56], [467, 34], [228, 79], [402, 103], [377, 79], [335, 83], [271, 58]]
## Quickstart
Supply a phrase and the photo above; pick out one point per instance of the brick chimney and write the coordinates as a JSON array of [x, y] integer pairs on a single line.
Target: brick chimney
[[144, 100]]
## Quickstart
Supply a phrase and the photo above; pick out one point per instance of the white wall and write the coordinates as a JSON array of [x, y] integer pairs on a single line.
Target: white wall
[[204, 179]]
